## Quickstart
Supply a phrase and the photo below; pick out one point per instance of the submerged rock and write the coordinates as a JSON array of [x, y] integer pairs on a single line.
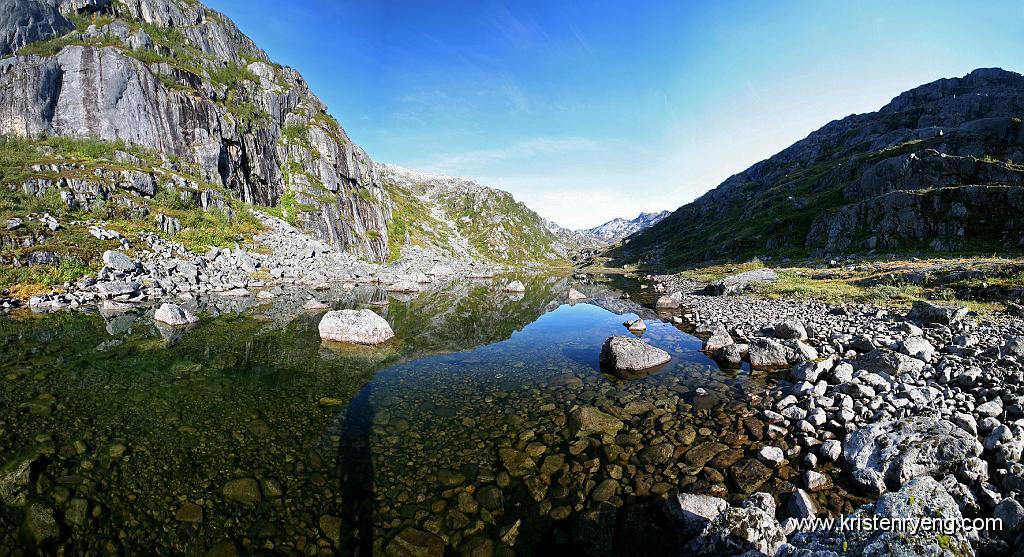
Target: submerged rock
[[411, 541], [173, 314], [355, 326], [245, 491], [40, 524], [631, 354], [15, 479], [589, 420]]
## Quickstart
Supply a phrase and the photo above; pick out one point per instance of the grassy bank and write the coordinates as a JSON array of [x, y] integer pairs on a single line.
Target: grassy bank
[[889, 283], [123, 210]]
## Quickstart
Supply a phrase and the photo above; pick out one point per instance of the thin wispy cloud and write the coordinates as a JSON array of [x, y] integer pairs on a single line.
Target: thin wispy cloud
[[470, 162]]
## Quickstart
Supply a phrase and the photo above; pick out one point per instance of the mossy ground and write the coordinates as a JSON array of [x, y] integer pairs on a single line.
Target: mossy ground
[[891, 282]]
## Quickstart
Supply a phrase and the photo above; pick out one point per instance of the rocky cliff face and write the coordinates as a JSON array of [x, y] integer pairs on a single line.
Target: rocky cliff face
[[939, 168], [177, 80]]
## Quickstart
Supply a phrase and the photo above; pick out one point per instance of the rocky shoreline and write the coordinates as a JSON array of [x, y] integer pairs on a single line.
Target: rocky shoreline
[[166, 270], [884, 399]]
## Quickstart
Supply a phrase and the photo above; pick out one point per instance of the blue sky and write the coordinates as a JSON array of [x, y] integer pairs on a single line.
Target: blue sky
[[588, 110]]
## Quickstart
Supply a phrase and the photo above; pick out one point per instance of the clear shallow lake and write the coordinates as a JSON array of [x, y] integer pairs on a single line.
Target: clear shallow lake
[[247, 434]]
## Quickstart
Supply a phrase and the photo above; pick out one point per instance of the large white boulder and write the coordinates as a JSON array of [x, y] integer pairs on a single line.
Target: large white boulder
[[631, 354], [355, 326], [173, 314]]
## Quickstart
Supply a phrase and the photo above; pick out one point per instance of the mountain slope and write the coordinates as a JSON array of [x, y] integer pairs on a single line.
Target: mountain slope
[[618, 229], [175, 98], [937, 169], [465, 220]]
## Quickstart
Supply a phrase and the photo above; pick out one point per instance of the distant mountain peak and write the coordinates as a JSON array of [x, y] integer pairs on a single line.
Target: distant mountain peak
[[619, 228]]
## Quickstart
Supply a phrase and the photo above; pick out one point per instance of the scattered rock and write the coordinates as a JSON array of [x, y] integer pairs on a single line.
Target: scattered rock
[[693, 512], [921, 498], [743, 281], [927, 312], [118, 262]]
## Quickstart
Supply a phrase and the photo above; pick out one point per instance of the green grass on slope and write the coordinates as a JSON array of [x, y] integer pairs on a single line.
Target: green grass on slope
[[78, 249]]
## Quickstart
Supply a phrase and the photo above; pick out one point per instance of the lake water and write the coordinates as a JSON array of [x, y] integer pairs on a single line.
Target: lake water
[[246, 434]]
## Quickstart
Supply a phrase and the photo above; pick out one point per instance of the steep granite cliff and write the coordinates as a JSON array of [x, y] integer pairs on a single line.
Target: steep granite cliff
[[200, 112], [940, 168]]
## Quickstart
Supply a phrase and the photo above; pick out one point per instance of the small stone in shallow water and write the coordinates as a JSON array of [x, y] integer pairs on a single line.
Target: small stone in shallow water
[[516, 462], [245, 491], [589, 420], [40, 524], [189, 512], [411, 541]]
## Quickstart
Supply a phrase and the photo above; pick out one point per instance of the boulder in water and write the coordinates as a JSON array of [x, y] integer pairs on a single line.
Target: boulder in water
[[355, 326], [631, 354], [173, 314], [576, 295]]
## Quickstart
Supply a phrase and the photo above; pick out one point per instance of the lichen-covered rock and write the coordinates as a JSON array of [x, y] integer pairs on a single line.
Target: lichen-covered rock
[[926, 312], [737, 530], [742, 281], [888, 454], [355, 326], [921, 498]]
